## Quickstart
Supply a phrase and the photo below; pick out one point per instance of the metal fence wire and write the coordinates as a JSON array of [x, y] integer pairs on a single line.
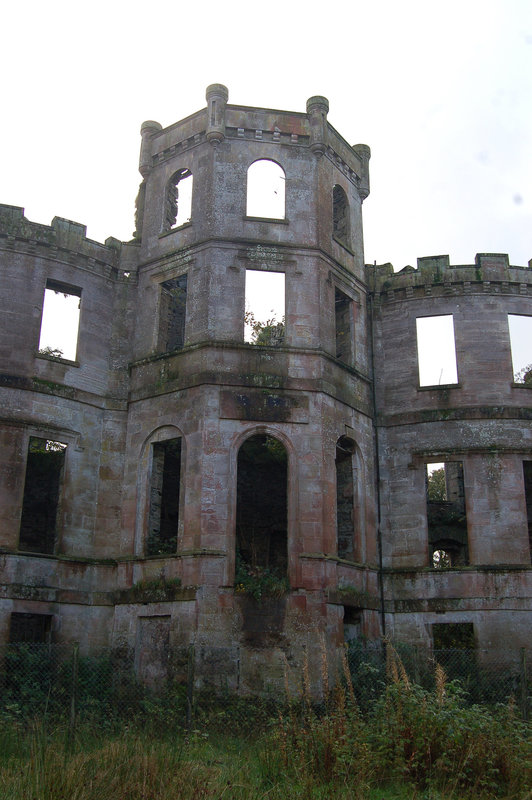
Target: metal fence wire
[[56, 680]]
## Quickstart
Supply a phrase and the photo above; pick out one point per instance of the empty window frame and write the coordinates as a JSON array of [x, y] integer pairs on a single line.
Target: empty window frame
[[178, 200], [340, 210], [436, 350], [527, 472], [262, 506], [343, 323], [453, 636], [345, 498], [165, 485], [60, 321], [266, 190], [446, 514], [44, 472], [352, 623], [172, 314], [521, 343], [30, 628], [264, 318]]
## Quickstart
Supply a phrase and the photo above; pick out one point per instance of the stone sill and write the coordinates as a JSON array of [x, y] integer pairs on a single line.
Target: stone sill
[[175, 230], [466, 568], [443, 386], [266, 219], [112, 562], [57, 359], [343, 245]]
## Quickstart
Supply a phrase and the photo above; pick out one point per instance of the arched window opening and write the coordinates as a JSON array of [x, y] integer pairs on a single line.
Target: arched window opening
[[266, 190], [42, 490], [163, 517], [446, 514], [340, 215], [261, 509], [345, 498], [178, 201]]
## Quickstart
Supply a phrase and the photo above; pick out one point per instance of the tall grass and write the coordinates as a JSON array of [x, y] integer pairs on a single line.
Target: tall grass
[[412, 744]]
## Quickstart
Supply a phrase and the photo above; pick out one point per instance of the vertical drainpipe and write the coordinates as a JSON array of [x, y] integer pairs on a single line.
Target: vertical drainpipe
[[364, 154], [377, 461]]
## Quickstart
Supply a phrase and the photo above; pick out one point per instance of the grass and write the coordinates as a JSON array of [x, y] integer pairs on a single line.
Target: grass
[[412, 744]]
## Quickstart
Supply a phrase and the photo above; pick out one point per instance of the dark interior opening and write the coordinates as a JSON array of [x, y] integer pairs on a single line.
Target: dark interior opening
[[343, 327], [453, 636], [44, 469], [345, 498], [262, 518], [173, 314], [527, 470], [164, 497], [30, 628]]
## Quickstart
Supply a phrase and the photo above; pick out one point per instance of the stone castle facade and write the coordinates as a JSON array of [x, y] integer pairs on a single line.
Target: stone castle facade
[[165, 466]]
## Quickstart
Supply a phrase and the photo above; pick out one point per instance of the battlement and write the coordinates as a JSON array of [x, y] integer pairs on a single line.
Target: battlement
[[62, 235], [221, 121], [434, 274]]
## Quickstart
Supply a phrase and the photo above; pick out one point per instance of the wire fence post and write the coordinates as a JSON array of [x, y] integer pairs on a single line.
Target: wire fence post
[[190, 683], [74, 689], [523, 685]]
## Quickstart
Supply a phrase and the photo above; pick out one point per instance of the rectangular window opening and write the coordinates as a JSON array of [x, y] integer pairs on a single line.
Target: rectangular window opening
[[164, 498], [30, 628], [44, 472], [527, 470], [436, 351], [343, 321], [521, 345], [352, 623], [453, 636], [264, 318], [446, 514], [345, 499], [60, 321], [172, 314]]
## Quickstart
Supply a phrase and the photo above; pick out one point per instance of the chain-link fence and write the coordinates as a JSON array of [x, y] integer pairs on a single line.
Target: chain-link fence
[[485, 676], [113, 685]]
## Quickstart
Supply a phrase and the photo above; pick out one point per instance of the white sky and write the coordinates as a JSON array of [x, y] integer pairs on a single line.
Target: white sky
[[440, 91]]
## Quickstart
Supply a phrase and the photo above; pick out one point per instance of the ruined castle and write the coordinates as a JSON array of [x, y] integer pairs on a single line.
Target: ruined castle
[[170, 481]]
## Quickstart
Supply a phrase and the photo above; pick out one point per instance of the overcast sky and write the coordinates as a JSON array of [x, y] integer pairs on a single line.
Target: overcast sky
[[441, 92]]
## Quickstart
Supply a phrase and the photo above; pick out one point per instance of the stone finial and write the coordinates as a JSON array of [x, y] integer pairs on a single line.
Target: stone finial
[[217, 96], [147, 129], [364, 154], [317, 110], [319, 104]]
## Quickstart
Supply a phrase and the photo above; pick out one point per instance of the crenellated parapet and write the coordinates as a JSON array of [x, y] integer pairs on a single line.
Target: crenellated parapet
[[221, 121], [63, 241], [491, 273]]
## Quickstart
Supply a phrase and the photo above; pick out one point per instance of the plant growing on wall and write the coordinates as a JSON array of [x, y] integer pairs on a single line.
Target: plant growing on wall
[[259, 582], [267, 334], [524, 375]]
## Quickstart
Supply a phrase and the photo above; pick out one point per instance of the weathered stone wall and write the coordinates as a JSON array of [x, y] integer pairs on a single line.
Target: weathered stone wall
[[484, 421], [124, 394]]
